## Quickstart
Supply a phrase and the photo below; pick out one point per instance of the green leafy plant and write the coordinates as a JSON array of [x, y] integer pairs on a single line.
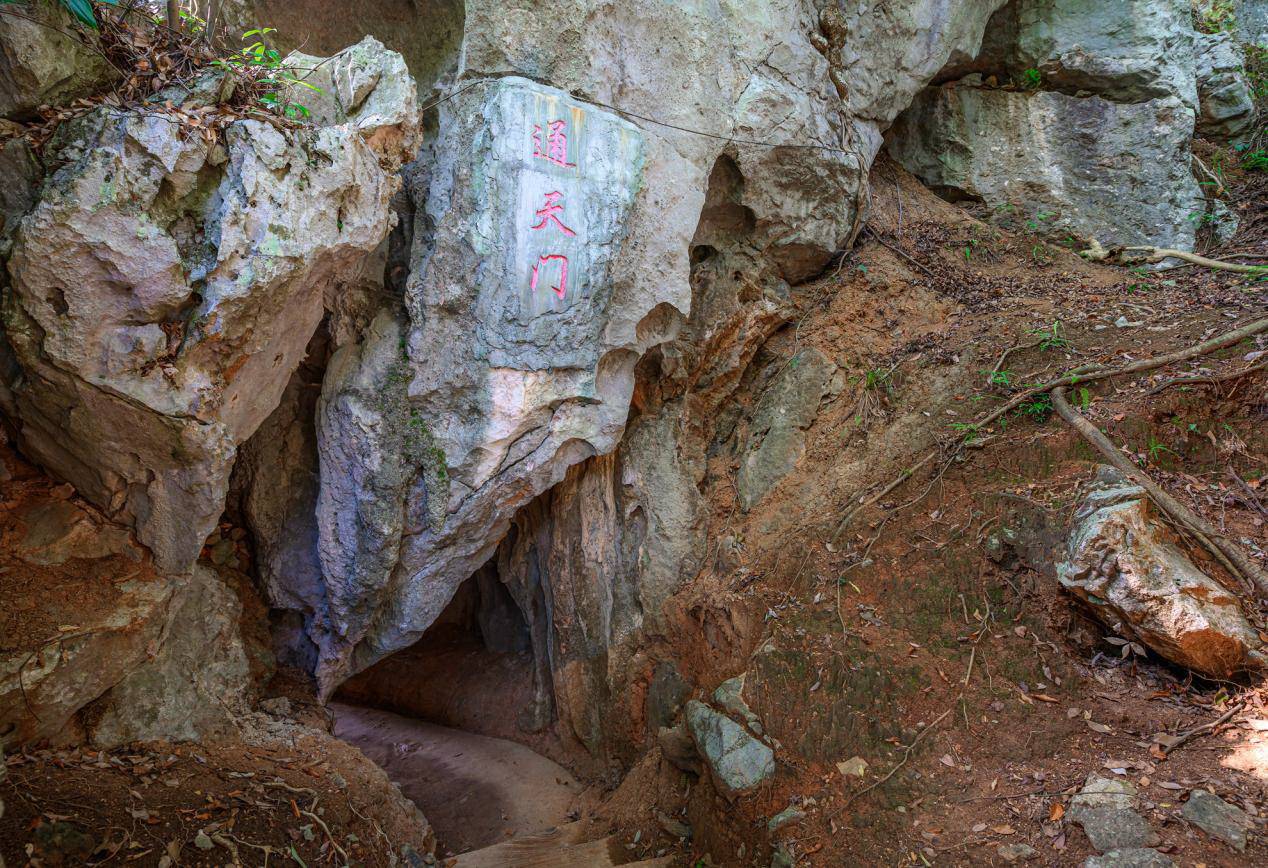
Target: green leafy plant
[[1214, 16], [876, 379], [1255, 161], [1038, 408], [1052, 337], [1036, 223], [999, 378], [1157, 448], [969, 431], [1031, 79], [266, 63]]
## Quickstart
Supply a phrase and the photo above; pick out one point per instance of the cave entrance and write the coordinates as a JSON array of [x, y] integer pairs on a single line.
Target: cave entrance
[[443, 718], [471, 670]]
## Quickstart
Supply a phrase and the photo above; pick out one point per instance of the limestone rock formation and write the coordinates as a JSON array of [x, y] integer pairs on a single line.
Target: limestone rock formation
[[1129, 857], [777, 431], [516, 369], [1218, 818], [1087, 166], [1127, 566], [41, 61], [165, 288], [43, 688], [1106, 809], [194, 684], [1080, 116], [1124, 50], [1226, 105], [1252, 21]]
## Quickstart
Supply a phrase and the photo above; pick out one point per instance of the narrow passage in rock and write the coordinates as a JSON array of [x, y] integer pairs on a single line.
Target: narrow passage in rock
[[474, 790]]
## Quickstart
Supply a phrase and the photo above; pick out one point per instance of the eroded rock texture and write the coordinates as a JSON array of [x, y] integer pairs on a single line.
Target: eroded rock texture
[[165, 288], [1128, 567], [548, 254], [1080, 115], [531, 371]]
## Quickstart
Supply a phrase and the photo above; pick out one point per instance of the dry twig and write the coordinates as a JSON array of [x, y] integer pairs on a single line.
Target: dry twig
[[1230, 555]]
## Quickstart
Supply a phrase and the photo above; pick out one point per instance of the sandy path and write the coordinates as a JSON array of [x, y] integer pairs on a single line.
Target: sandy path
[[474, 790]]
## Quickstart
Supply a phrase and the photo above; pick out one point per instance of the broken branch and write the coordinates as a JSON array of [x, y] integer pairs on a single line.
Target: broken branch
[[1230, 555]]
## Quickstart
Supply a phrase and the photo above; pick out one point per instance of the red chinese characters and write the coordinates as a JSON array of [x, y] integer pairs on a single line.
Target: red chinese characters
[[561, 287], [550, 216], [549, 213], [556, 144]]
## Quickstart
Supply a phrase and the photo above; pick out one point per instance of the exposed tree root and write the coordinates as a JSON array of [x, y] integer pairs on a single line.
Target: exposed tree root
[[1230, 555], [1189, 735], [1210, 381], [1082, 374], [1098, 253], [1158, 254]]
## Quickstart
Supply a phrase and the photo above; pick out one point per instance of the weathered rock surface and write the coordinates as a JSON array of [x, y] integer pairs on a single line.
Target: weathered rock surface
[[365, 86], [1218, 818], [777, 438], [164, 290], [42, 64], [195, 683], [1094, 168], [1130, 857], [514, 379], [1226, 105], [1125, 51], [1252, 21], [42, 689], [737, 761], [1098, 144], [1105, 809], [1127, 566], [57, 530]]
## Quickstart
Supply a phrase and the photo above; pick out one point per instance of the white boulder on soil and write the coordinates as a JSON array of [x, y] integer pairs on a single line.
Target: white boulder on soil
[[1127, 565]]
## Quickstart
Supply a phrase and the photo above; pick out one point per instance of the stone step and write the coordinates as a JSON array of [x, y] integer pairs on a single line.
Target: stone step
[[558, 848]]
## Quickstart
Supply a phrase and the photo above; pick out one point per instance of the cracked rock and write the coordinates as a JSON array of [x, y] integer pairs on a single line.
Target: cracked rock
[[1105, 810], [1218, 818], [737, 761]]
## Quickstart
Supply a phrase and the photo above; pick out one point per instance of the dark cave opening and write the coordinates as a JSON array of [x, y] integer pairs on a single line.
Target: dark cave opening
[[471, 670]]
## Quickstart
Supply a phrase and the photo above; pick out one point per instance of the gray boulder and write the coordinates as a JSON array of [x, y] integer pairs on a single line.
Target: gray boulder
[[195, 685], [1218, 818], [1252, 22], [1123, 50], [43, 688], [1226, 105], [1084, 166], [1106, 809], [41, 63], [737, 761], [1097, 147], [777, 436], [56, 530], [1130, 857], [1127, 566]]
